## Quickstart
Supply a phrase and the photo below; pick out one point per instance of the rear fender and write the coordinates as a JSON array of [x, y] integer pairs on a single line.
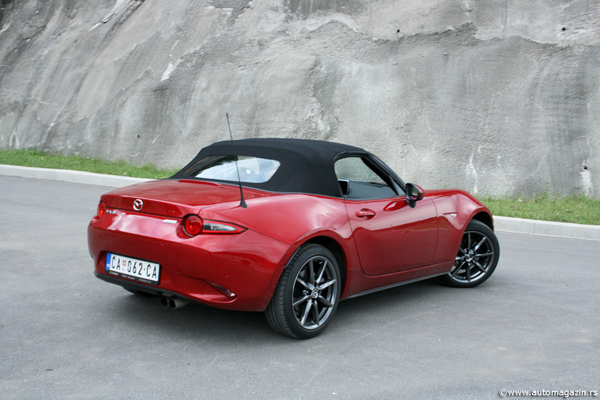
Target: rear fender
[[348, 259], [289, 218]]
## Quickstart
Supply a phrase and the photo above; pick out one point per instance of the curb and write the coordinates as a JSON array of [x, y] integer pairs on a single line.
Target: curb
[[65, 175], [547, 228], [506, 224]]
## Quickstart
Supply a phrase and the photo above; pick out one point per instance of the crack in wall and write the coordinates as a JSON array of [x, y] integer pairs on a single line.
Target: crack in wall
[[122, 6]]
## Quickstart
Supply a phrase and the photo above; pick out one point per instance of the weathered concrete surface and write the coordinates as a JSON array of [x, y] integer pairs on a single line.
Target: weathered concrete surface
[[496, 97]]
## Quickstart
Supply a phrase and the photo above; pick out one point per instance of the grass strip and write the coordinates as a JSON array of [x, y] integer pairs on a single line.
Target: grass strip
[[576, 209], [41, 159]]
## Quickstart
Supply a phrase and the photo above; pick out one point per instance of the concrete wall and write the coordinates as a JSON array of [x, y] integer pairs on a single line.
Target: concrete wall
[[497, 97]]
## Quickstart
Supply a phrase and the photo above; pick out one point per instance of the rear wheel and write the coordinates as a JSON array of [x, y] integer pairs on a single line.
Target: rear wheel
[[476, 259], [307, 294]]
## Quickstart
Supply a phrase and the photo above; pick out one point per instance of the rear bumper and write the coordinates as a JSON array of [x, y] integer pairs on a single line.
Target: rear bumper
[[247, 264], [137, 286]]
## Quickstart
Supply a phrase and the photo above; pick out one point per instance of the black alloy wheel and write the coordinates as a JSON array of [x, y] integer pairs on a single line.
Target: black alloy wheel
[[477, 257], [307, 294]]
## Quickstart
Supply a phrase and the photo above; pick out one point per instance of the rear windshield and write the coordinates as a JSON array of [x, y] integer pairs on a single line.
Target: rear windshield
[[223, 168]]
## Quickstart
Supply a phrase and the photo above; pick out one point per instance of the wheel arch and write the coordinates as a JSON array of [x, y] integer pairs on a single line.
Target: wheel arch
[[336, 249], [485, 218]]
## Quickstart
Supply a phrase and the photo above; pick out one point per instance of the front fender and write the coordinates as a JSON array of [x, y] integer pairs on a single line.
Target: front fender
[[456, 208]]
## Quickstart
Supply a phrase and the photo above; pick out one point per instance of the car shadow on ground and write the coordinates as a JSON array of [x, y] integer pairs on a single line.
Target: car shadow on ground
[[197, 321]]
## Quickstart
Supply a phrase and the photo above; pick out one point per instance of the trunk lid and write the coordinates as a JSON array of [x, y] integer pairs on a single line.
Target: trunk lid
[[175, 198]]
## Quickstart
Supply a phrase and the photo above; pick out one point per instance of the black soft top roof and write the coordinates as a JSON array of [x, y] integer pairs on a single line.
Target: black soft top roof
[[307, 166]]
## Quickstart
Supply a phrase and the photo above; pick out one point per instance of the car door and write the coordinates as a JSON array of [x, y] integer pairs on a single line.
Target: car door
[[390, 235]]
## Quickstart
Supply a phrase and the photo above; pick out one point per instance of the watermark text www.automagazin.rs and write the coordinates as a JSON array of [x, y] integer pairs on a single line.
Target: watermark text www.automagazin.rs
[[548, 393]]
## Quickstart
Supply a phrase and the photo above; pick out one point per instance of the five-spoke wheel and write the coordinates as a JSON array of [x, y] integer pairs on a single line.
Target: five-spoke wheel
[[477, 257], [309, 288], [307, 294]]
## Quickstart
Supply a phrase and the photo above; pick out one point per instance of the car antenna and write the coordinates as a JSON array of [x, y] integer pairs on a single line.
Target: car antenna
[[242, 201]]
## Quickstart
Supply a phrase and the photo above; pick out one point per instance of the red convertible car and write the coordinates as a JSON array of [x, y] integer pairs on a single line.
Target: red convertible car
[[289, 227]]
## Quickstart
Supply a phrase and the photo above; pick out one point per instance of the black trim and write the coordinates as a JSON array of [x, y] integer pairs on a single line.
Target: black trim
[[393, 285], [380, 169], [389, 172], [156, 291]]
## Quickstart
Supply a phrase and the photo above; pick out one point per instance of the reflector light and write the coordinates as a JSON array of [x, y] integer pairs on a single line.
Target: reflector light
[[101, 209], [223, 290]]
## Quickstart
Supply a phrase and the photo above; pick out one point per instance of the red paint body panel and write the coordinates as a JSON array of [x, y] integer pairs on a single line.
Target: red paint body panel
[[242, 263], [397, 238], [450, 228], [396, 245], [171, 198]]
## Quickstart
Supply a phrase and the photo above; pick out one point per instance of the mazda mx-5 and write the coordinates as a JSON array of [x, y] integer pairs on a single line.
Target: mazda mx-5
[[289, 227]]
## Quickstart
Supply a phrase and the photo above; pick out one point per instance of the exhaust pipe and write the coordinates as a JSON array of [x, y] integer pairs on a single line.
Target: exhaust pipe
[[173, 302]]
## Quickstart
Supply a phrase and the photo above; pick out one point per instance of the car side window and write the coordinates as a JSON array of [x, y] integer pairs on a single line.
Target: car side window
[[359, 181]]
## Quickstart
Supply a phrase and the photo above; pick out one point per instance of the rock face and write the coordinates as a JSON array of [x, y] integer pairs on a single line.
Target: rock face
[[499, 97]]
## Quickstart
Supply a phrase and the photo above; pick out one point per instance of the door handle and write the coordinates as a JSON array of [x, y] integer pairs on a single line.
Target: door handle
[[365, 213]]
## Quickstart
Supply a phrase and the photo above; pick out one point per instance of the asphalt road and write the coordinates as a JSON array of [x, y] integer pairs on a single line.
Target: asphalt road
[[535, 325]]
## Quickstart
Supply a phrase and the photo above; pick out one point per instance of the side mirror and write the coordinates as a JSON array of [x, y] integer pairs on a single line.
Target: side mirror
[[413, 194]]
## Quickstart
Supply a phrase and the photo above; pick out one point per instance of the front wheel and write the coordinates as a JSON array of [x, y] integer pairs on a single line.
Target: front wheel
[[477, 257], [307, 294]]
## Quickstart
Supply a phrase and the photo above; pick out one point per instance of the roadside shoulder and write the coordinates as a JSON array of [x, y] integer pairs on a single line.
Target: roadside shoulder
[[547, 228], [88, 178]]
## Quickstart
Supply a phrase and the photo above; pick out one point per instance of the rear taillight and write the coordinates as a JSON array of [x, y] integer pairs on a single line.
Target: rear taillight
[[194, 225], [101, 209], [221, 227]]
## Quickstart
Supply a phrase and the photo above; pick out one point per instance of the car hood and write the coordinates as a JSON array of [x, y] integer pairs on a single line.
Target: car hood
[[176, 198]]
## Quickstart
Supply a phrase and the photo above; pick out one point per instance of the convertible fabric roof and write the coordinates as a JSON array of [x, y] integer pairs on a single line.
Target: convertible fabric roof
[[307, 166]]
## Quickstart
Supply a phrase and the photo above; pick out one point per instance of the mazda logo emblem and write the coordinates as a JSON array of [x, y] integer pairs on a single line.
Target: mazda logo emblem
[[138, 204]]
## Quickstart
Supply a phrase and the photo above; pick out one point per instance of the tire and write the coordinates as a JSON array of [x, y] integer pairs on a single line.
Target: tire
[[477, 257], [307, 294]]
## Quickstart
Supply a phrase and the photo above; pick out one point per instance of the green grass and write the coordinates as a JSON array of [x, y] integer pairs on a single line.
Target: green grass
[[576, 209], [37, 158]]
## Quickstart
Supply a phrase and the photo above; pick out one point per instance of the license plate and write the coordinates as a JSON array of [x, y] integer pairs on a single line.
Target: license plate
[[132, 268]]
